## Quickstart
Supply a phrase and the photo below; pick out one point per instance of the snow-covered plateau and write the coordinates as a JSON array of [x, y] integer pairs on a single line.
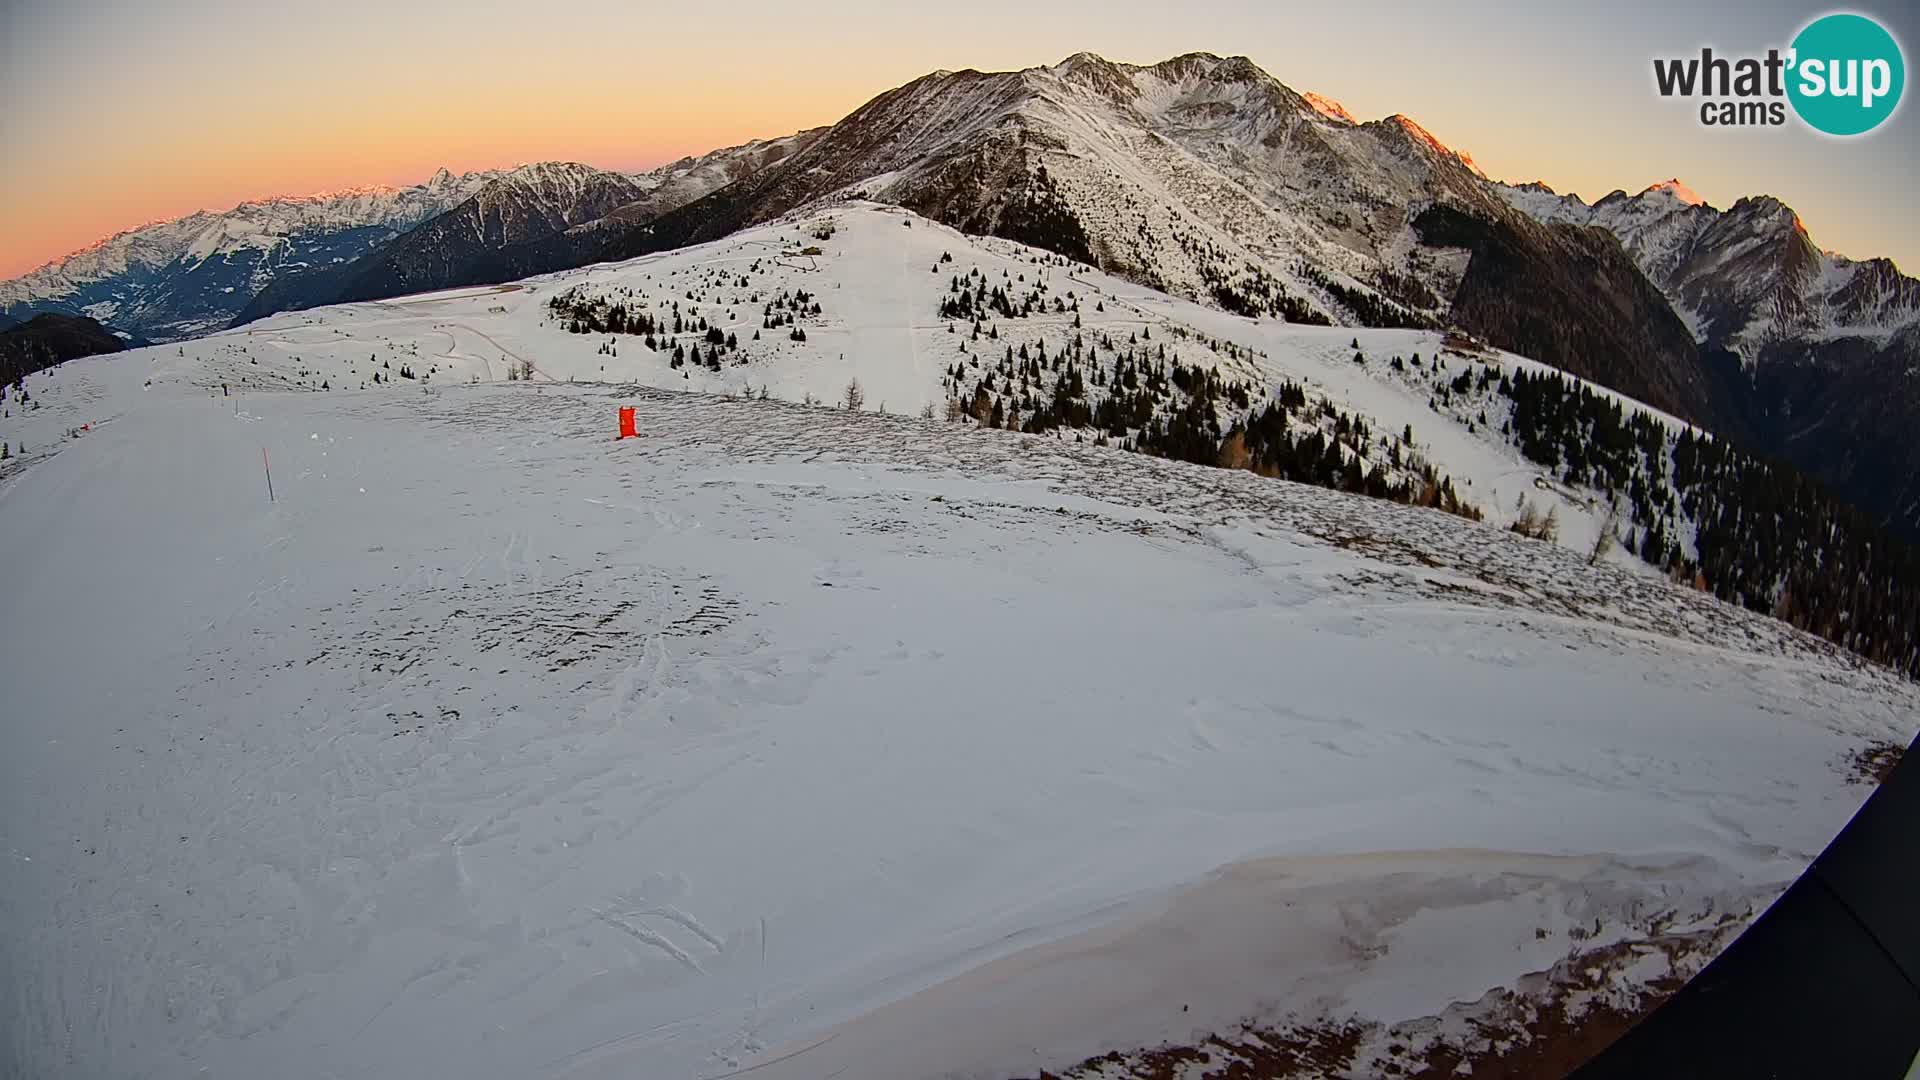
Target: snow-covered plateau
[[801, 742]]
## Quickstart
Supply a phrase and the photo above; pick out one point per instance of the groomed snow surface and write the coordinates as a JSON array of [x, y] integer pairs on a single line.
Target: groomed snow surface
[[806, 742]]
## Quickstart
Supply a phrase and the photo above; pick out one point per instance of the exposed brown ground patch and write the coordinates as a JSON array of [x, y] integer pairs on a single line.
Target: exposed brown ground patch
[[1873, 764], [1548, 1025]]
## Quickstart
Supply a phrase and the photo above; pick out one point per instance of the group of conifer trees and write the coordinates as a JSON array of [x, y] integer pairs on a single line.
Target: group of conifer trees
[[1764, 536]]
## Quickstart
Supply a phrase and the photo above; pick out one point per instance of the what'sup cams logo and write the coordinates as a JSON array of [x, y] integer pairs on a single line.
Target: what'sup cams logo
[[1843, 75]]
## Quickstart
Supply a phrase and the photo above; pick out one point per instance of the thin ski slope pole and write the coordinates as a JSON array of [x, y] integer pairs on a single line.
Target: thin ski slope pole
[[269, 471]]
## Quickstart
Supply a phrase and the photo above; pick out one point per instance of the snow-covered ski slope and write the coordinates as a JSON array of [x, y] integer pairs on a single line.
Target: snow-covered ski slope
[[816, 743], [879, 277]]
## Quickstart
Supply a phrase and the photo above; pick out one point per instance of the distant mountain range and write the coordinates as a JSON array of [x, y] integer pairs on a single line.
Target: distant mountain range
[[563, 206], [1819, 353], [527, 202], [197, 274], [1202, 176], [190, 276]]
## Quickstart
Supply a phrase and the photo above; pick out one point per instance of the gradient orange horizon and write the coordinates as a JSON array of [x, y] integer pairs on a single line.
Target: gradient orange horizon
[[131, 112], [171, 189]]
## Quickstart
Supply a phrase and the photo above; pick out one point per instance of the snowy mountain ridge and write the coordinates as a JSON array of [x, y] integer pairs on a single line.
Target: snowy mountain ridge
[[528, 203], [1165, 172], [680, 182], [189, 275], [536, 218], [1009, 589], [563, 190], [255, 223], [1251, 173], [1329, 108], [1746, 276]]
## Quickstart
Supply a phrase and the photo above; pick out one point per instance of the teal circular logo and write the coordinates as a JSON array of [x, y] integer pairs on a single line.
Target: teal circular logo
[[1847, 74]]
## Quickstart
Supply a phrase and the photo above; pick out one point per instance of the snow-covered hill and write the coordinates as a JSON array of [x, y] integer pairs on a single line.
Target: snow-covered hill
[[879, 277], [928, 319], [802, 739]]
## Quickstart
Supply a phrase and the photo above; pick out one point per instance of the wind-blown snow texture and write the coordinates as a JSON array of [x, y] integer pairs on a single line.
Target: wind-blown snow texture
[[495, 747]]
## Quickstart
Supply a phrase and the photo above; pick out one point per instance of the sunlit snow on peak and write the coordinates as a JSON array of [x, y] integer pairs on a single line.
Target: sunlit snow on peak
[[1677, 190], [1329, 108]]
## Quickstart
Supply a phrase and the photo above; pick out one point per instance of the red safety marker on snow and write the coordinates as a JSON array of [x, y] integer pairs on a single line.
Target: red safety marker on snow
[[628, 427]]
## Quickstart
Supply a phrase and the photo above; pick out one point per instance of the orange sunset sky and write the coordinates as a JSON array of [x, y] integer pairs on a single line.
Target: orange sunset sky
[[120, 113]]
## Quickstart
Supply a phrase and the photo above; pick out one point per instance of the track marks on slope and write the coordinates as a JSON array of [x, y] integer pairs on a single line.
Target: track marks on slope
[[592, 621]]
